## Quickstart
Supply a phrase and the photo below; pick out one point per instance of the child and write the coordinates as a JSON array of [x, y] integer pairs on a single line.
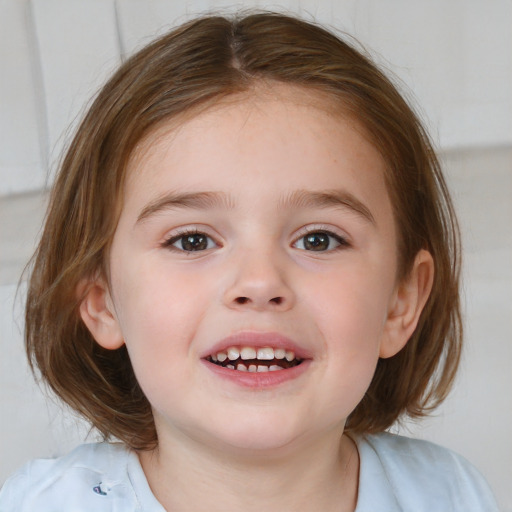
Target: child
[[249, 271]]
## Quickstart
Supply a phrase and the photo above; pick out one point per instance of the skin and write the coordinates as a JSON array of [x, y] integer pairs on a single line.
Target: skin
[[223, 446]]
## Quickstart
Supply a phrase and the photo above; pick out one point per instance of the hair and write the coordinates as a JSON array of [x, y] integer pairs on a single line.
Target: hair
[[193, 67]]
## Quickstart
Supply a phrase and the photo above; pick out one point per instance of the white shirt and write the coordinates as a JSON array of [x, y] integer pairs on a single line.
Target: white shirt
[[396, 474]]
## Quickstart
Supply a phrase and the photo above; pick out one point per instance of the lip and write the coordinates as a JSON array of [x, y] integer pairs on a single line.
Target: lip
[[258, 380], [258, 340]]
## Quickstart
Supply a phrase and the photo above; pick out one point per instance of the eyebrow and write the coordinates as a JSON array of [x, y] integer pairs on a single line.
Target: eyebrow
[[192, 200], [297, 199], [328, 199]]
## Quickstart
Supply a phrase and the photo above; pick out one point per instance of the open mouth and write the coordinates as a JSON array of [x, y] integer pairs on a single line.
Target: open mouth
[[255, 360]]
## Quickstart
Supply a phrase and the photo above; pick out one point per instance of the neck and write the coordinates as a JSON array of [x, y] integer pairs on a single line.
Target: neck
[[320, 476]]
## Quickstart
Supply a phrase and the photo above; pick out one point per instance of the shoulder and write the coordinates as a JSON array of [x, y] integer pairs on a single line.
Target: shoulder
[[77, 481], [421, 476]]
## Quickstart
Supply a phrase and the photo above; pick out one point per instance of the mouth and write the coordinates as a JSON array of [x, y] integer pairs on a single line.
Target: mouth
[[255, 359], [258, 360]]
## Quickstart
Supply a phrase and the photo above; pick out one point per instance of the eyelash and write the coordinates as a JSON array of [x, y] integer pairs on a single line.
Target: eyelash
[[317, 230], [169, 242], [342, 242]]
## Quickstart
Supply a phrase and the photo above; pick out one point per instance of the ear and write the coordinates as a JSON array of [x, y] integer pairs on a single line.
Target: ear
[[98, 314], [408, 301]]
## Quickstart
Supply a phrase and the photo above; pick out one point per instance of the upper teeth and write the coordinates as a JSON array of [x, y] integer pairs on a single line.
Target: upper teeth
[[263, 354], [248, 353], [233, 353]]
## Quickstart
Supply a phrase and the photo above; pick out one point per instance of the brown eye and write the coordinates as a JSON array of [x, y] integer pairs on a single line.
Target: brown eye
[[319, 241], [316, 242], [194, 242], [191, 242]]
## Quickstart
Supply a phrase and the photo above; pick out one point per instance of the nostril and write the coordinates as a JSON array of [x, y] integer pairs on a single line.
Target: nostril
[[246, 300]]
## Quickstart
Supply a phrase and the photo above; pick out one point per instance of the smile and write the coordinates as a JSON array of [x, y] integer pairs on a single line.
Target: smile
[[255, 359]]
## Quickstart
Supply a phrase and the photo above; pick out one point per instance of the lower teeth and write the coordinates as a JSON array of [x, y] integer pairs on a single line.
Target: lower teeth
[[262, 368], [254, 367]]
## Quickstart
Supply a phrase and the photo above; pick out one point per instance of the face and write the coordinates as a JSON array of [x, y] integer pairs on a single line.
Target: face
[[258, 235]]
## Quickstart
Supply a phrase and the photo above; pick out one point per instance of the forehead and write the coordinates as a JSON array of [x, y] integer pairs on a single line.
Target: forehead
[[264, 123], [280, 138]]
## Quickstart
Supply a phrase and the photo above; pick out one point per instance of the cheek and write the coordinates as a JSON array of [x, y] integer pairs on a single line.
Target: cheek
[[351, 314], [154, 297], [352, 304], [158, 318]]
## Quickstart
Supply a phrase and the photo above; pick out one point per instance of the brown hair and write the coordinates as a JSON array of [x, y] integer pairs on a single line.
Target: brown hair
[[191, 67]]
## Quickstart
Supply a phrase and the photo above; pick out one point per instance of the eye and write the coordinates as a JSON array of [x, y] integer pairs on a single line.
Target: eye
[[320, 241], [190, 242]]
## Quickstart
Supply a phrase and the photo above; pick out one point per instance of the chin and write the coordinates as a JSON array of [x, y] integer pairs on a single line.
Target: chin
[[256, 435]]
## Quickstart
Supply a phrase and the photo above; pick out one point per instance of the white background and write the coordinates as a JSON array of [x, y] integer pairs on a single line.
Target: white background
[[454, 59]]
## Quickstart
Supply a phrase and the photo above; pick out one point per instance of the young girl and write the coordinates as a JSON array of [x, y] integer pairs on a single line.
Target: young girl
[[249, 271]]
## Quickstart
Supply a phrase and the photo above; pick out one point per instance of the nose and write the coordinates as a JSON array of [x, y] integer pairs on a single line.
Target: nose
[[258, 282]]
